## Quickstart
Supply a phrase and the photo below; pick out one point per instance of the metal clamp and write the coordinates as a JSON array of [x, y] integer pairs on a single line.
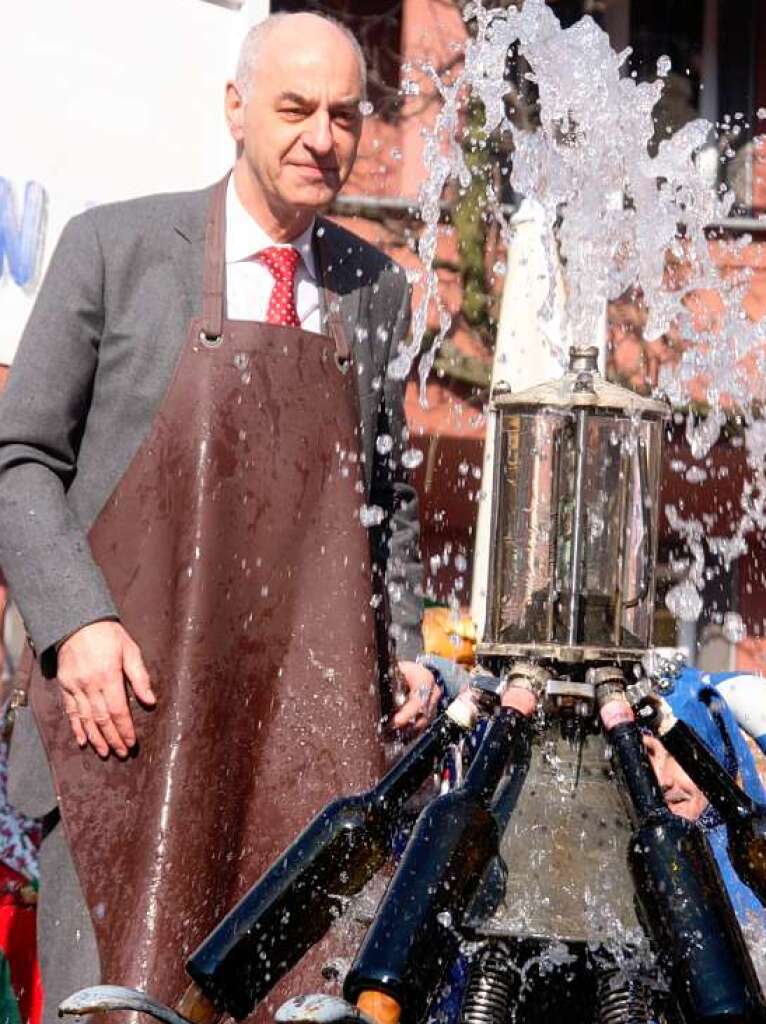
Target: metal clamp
[[608, 682], [570, 697], [569, 688], [530, 676]]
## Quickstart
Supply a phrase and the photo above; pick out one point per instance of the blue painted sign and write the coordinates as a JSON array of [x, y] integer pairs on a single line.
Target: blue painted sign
[[21, 236]]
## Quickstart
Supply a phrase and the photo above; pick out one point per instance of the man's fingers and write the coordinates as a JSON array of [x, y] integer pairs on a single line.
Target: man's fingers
[[136, 674], [433, 699], [107, 725], [403, 715], [92, 731], [419, 708], [116, 703], [408, 712], [95, 737], [70, 709], [94, 664]]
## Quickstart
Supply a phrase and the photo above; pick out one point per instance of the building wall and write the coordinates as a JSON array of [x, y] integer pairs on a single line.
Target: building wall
[[98, 102]]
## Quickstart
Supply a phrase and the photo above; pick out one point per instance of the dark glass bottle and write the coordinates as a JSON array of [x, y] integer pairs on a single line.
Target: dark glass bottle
[[744, 817], [294, 903], [682, 900], [412, 938]]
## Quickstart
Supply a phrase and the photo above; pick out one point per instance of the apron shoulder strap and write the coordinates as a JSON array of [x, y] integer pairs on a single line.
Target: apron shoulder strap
[[214, 272]]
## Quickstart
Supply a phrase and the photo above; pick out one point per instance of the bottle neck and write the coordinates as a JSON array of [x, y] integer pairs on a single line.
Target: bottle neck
[[637, 774], [490, 760], [702, 767], [413, 768]]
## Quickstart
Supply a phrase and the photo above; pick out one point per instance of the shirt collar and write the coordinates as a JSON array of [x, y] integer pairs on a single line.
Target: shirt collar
[[245, 237]]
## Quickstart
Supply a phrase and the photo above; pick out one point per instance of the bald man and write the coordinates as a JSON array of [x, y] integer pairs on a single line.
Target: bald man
[[207, 528]]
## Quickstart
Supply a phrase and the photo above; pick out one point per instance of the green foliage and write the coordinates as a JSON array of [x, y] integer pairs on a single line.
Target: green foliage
[[469, 218]]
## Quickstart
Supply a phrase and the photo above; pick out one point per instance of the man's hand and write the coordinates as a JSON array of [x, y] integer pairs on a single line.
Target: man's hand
[[422, 696], [93, 666]]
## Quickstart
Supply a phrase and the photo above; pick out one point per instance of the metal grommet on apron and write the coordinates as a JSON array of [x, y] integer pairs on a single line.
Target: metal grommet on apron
[[342, 353], [234, 551], [211, 340]]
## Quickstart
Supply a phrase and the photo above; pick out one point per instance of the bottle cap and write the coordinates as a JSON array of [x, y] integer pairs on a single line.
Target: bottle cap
[[463, 711], [666, 718]]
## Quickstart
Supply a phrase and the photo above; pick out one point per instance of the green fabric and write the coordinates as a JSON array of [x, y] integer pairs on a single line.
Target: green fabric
[[9, 1008]]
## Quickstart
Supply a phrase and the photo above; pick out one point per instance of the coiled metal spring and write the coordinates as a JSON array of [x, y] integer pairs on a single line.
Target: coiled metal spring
[[621, 1000], [488, 992]]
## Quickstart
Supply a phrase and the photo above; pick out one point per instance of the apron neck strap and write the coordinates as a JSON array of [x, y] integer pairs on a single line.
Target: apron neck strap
[[214, 272]]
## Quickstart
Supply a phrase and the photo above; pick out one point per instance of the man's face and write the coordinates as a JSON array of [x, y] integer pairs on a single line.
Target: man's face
[[299, 124], [681, 795]]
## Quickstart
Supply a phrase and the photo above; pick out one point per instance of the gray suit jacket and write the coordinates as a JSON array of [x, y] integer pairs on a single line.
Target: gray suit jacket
[[93, 366]]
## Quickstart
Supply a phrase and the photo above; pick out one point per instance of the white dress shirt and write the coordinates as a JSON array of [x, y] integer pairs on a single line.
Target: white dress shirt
[[249, 283]]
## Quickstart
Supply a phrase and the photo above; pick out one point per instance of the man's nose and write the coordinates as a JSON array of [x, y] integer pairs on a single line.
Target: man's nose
[[318, 136]]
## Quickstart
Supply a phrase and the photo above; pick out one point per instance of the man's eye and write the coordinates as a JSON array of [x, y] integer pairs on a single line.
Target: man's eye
[[293, 112]]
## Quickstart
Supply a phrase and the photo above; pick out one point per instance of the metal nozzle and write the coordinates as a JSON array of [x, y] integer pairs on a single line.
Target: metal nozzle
[[608, 682], [529, 676], [583, 359]]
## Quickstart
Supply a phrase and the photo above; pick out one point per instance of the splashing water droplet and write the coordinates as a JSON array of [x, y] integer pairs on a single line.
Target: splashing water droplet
[[683, 601], [411, 458], [734, 628], [695, 475], [371, 515]]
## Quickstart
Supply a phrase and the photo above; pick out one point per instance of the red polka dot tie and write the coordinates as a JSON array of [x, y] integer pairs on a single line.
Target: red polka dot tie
[[281, 261]]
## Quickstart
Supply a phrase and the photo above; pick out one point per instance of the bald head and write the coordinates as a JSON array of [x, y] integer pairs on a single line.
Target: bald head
[[283, 29], [295, 113]]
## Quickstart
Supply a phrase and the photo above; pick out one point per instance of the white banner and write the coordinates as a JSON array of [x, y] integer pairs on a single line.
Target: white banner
[[100, 102]]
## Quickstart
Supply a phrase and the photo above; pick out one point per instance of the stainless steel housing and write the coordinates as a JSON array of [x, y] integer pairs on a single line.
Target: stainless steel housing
[[574, 520]]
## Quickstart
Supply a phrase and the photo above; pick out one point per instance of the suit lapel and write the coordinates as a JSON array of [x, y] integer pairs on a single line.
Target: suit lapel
[[339, 292], [341, 303], [188, 250]]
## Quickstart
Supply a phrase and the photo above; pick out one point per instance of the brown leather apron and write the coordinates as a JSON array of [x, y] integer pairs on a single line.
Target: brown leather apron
[[234, 550]]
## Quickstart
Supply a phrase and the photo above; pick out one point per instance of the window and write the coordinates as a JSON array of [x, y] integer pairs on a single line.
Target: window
[[377, 24], [714, 46]]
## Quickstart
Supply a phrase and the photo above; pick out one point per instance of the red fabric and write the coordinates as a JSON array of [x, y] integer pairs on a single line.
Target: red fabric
[[18, 941], [282, 261]]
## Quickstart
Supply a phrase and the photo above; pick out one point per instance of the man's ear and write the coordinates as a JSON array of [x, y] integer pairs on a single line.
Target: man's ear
[[234, 109]]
